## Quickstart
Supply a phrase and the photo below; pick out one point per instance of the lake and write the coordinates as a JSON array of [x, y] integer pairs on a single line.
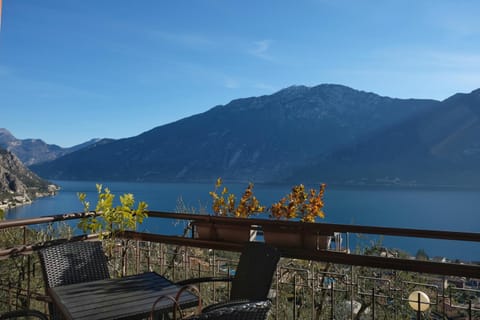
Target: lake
[[451, 210]]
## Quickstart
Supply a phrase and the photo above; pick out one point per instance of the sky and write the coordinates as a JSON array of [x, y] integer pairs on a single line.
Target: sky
[[73, 70]]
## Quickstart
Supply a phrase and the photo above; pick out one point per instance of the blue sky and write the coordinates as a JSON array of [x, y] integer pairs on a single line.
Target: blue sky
[[72, 70]]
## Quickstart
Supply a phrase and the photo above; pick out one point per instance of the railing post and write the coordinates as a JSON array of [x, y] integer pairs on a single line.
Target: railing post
[[124, 257], [186, 261], [149, 252], [228, 275], [373, 303], [277, 272], [161, 257], [214, 269], [28, 266], [470, 309], [419, 307], [137, 257], [393, 295], [443, 296], [332, 301], [199, 275], [294, 296], [173, 269], [29, 278], [9, 296], [312, 272], [351, 292]]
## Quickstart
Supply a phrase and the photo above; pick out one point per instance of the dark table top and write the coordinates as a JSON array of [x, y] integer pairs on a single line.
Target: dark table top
[[129, 297]]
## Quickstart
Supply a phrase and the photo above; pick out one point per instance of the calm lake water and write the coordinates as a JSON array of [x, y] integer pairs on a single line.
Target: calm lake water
[[452, 210]]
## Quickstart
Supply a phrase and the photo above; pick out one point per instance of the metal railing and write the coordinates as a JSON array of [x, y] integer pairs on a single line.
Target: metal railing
[[309, 284]]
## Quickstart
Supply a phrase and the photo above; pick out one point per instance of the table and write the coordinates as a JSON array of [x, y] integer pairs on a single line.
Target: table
[[130, 297]]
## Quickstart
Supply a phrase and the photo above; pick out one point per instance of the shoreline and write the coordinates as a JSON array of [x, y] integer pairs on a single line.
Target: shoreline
[[15, 201]]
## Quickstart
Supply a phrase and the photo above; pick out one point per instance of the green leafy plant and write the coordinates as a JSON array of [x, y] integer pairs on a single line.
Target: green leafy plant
[[112, 218]]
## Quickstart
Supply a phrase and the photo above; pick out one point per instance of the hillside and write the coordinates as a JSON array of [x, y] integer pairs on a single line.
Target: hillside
[[262, 138], [19, 185], [440, 147]]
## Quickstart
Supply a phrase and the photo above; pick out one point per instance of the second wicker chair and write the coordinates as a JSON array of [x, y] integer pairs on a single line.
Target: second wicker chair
[[250, 285]]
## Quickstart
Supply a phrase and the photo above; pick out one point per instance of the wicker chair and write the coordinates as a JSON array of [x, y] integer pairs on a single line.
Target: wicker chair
[[23, 314], [250, 285], [72, 262], [236, 310]]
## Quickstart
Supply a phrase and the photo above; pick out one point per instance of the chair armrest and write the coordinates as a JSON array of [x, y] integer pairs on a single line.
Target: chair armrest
[[23, 313], [204, 279], [175, 301]]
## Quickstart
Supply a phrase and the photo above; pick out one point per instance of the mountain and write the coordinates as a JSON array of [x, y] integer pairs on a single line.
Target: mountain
[[260, 139], [32, 151], [18, 184], [437, 147]]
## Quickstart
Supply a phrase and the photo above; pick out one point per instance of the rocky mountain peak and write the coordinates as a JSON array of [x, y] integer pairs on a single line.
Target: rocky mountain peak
[[5, 135]]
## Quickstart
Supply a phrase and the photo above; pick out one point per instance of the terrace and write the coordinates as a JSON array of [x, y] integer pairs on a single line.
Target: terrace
[[373, 283]]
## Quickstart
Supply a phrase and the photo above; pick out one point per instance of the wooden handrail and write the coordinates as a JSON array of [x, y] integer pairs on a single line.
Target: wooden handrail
[[327, 228], [322, 228], [45, 219]]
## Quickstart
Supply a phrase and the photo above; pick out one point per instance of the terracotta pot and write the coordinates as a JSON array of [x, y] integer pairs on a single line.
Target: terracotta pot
[[224, 232], [295, 237], [235, 233], [204, 230]]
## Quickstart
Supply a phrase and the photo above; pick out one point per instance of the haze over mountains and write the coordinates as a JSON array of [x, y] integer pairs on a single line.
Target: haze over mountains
[[328, 133]]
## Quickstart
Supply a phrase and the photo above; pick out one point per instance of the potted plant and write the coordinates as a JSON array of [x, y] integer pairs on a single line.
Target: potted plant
[[225, 204], [304, 206]]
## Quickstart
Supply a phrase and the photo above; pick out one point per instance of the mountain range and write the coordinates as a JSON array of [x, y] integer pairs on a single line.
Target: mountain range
[[32, 151], [439, 147], [327, 133]]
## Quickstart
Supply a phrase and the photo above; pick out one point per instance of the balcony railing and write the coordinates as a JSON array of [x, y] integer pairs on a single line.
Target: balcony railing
[[309, 284]]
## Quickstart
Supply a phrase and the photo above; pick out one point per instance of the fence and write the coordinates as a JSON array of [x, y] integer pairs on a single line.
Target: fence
[[309, 284]]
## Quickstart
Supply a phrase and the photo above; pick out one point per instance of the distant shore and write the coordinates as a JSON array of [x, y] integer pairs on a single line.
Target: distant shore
[[17, 200]]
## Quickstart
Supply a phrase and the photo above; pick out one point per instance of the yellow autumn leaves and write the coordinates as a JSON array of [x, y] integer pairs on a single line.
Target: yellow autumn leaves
[[224, 204], [297, 204]]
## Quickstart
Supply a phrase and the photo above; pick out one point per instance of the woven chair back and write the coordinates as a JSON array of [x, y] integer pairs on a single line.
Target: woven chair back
[[255, 271], [73, 262]]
